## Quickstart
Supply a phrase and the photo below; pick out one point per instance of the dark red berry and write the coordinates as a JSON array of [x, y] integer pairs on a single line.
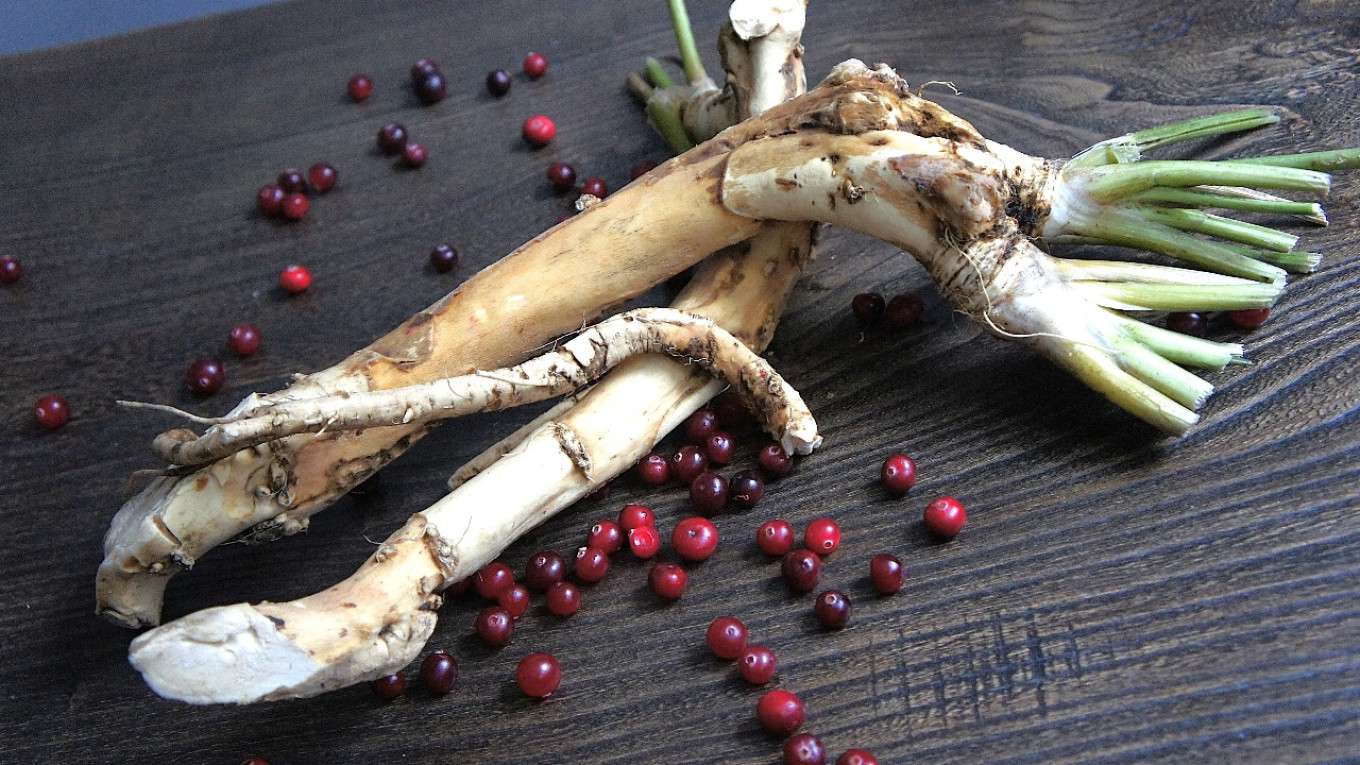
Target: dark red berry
[[292, 181], [564, 599], [746, 488], [52, 412], [498, 82], [11, 269], [688, 463], [757, 665], [1188, 323], [945, 517], [295, 279], [388, 687], [360, 87], [654, 469], [205, 376], [515, 600], [294, 206], [443, 258], [413, 154], [535, 65], [886, 574], [822, 536], [539, 131], [439, 673], [606, 536], [495, 626], [544, 570], [633, 515], [562, 177], [898, 474], [832, 609], [726, 637], [904, 311], [640, 169], [243, 339], [269, 200], [804, 749], [322, 176], [708, 493], [667, 580], [802, 570], [732, 411], [1249, 318], [700, 425], [775, 537], [856, 757], [695, 539], [868, 308], [431, 88], [595, 187], [592, 564], [255, 761], [780, 712], [538, 675], [424, 68], [719, 447], [493, 579], [644, 541], [774, 462], [392, 137]]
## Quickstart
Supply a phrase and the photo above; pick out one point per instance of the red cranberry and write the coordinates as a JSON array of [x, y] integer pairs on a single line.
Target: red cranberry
[[292, 182], [688, 463], [439, 673], [255, 761], [868, 308], [392, 137], [1188, 323], [562, 177], [205, 376], [632, 516], [413, 154], [539, 131], [746, 488], [644, 541], [269, 200], [945, 517], [606, 536], [443, 258], [388, 687], [695, 539], [424, 68], [640, 169], [856, 757], [822, 536], [757, 665], [360, 87], [898, 474], [243, 339], [775, 537], [592, 564], [780, 712], [11, 269], [668, 581], [498, 82], [544, 570], [700, 425], [52, 412], [493, 579], [774, 462], [535, 65], [832, 609], [904, 311], [732, 412], [708, 493], [495, 626], [514, 600], [294, 206], [802, 570], [295, 279], [564, 599], [1249, 318], [538, 675], [726, 637], [885, 572], [322, 176], [719, 447], [595, 187], [654, 469], [804, 749], [431, 88]]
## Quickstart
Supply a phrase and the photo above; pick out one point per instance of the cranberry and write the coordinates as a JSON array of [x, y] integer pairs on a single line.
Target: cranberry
[[708, 493], [632, 516], [898, 474], [822, 536], [868, 308], [592, 564], [746, 488], [498, 82], [52, 412], [644, 541], [732, 412], [538, 675], [294, 206], [654, 470], [757, 665], [493, 579], [1188, 323], [564, 599], [904, 311], [774, 462], [413, 154], [1249, 318], [832, 609], [295, 279], [205, 376], [269, 200], [535, 65], [360, 87], [885, 572], [695, 539], [539, 131], [605, 536], [775, 537], [11, 269], [945, 517], [515, 600], [388, 687], [495, 626], [424, 68], [856, 757], [780, 712], [595, 187], [700, 425], [392, 137], [688, 463], [562, 177], [431, 88], [640, 169], [802, 570], [804, 749], [322, 176], [255, 761], [719, 447], [544, 570], [243, 339], [292, 182], [726, 637], [667, 580], [439, 673], [443, 258]]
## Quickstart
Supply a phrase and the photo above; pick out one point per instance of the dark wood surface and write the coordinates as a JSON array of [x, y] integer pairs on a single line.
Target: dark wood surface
[[1116, 596]]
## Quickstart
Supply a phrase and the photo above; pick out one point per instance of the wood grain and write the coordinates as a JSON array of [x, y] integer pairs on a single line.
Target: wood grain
[[1116, 597]]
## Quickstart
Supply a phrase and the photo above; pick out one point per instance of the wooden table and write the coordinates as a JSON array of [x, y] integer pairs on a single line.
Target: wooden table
[[1116, 596]]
